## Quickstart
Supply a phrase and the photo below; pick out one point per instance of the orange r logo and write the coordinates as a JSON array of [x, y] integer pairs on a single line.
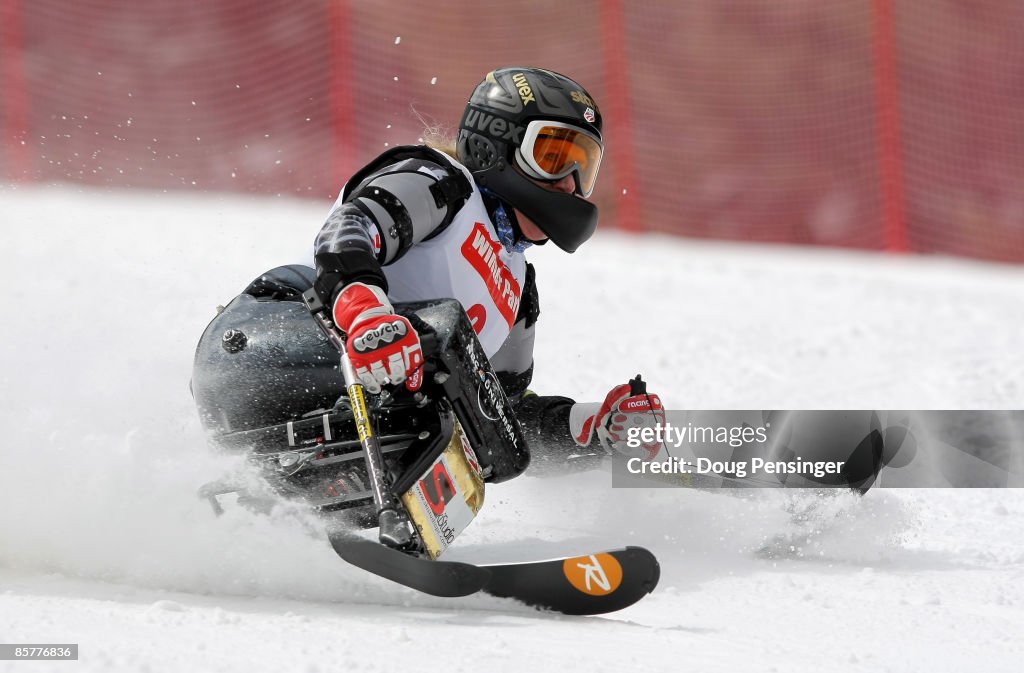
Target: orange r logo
[[596, 575]]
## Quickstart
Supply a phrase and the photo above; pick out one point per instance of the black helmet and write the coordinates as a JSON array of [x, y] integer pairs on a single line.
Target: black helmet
[[524, 123]]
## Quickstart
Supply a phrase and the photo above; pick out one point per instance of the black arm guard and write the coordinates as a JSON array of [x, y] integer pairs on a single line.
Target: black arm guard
[[409, 194], [335, 270]]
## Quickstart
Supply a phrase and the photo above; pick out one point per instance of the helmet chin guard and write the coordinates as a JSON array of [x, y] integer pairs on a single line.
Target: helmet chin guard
[[567, 220], [494, 126]]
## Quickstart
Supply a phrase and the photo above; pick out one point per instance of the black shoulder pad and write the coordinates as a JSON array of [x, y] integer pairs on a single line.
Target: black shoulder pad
[[451, 191], [448, 191]]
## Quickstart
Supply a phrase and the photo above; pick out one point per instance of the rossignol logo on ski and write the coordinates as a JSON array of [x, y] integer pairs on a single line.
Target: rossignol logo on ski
[[482, 253], [594, 575]]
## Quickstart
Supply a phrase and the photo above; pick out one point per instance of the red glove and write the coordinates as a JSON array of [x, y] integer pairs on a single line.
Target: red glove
[[383, 347], [618, 421]]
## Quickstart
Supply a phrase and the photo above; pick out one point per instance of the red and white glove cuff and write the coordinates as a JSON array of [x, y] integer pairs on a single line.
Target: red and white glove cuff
[[616, 419], [359, 302], [582, 421]]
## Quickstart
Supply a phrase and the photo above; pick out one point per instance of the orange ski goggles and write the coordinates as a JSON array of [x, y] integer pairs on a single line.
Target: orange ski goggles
[[552, 150]]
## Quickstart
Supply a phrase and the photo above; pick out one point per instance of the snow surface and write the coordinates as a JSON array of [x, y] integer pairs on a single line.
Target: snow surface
[[103, 542]]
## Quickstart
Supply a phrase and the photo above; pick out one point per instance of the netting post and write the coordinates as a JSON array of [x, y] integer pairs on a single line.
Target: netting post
[[887, 103], [340, 95], [15, 92], [619, 128]]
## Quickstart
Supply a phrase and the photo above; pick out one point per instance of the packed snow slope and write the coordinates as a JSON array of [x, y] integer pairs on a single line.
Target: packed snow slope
[[104, 543]]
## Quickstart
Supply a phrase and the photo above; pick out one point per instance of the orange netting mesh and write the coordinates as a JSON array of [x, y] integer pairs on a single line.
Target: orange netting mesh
[[873, 124]]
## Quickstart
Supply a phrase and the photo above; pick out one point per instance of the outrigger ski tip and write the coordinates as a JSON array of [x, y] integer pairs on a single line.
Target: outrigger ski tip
[[582, 585]]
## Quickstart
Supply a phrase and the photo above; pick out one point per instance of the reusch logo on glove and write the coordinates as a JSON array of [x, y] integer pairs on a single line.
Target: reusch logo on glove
[[384, 333]]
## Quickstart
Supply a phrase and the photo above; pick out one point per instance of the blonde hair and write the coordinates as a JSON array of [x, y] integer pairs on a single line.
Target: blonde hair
[[437, 136], [442, 143]]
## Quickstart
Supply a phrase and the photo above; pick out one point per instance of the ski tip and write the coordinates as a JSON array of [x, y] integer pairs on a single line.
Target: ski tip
[[591, 584], [647, 558]]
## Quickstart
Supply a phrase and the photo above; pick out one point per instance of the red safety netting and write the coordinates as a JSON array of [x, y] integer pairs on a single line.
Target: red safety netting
[[872, 124]]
